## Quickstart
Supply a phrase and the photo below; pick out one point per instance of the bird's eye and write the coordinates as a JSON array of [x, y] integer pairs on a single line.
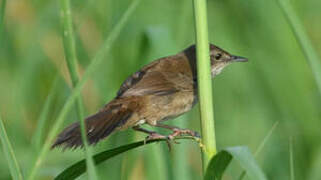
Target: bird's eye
[[218, 56]]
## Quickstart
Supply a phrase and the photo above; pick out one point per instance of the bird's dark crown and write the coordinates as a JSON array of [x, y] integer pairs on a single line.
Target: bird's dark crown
[[219, 57]]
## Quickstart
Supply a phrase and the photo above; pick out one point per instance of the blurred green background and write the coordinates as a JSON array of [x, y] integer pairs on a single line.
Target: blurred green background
[[276, 85]]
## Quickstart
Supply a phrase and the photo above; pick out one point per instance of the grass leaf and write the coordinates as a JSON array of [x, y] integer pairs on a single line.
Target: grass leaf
[[2, 13], [39, 132], [303, 40], [247, 161], [9, 154], [262, 144], [292, 177], [217, 165], [76, 91], [71, 60], [6, 145], [79, 168], [242, 154]]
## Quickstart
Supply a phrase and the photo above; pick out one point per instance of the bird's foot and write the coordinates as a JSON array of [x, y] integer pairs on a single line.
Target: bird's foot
[[179, 132], [156, 136], [171, 138]]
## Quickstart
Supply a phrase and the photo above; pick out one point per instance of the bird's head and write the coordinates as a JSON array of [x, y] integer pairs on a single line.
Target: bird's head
[[220, 59]]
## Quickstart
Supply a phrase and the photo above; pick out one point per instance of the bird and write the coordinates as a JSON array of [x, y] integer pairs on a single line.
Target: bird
[[161, 90]]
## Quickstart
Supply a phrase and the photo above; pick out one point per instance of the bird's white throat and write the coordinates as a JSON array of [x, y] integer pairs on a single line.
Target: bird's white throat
[[217, 70]]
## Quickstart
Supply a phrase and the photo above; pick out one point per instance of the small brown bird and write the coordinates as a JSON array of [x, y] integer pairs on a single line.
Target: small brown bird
[[161, 90]]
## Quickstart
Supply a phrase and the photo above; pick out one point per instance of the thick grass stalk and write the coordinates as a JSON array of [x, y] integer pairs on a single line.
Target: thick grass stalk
[[76, 91], [71, 59], [204, 82], [304, 41], [9, 154]]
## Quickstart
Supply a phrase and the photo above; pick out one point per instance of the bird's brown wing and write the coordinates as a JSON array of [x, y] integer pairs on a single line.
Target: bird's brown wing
[[153, 83], [135, 78], [162, 77]]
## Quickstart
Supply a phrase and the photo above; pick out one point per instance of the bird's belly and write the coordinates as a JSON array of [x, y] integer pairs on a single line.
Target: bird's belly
[[165, 108]]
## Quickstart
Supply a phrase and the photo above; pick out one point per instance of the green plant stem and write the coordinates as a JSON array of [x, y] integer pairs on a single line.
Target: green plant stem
[[9, 154], [76, 91], [304, 41], [71, 59], [204, 82]]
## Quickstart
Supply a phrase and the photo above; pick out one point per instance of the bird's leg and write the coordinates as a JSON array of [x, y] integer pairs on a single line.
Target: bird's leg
[[152, 135], [138, 128], [178, 131]]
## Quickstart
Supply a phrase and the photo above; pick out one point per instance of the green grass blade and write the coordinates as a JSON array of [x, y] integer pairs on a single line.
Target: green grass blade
[[38, 135], [292, 177], [2, 14], [204, 81], [76, 91], [304, 41], [247, 161], [242, 154], [79, 168], [71, 59], [9, 154], [218, 165], [262, 144], [266, 138]]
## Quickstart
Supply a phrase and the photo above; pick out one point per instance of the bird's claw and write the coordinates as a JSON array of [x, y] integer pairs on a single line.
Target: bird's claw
[[171, 138], [154, 136], [179, 132]]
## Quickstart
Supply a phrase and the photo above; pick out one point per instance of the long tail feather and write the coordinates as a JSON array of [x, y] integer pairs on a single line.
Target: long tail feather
[[98, 126]]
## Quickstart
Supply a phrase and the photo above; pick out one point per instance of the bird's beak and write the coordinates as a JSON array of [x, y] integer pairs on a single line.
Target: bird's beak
[[238, 59]]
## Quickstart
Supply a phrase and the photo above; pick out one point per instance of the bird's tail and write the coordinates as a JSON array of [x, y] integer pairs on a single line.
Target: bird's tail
[[98, 126]]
